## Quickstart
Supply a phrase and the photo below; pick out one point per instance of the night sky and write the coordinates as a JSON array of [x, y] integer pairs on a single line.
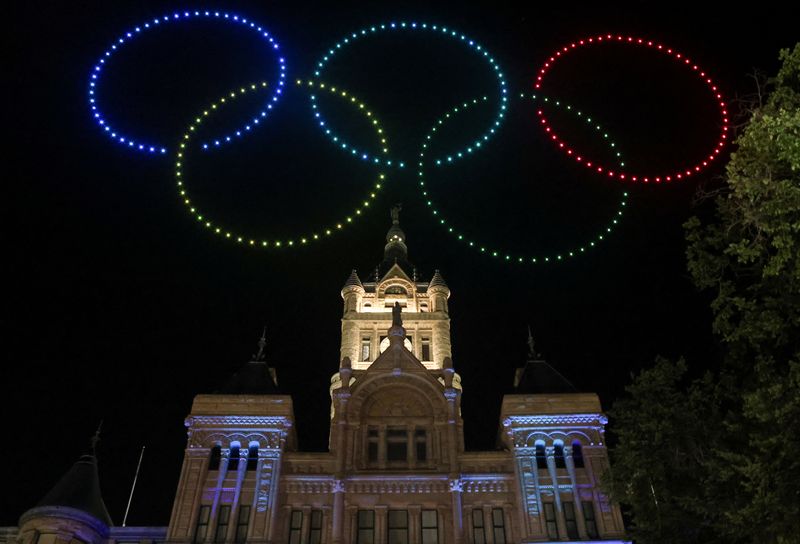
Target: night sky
[[120, 307]]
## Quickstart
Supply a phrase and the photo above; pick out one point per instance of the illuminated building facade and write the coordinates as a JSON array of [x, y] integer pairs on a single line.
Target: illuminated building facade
[[396, 471]]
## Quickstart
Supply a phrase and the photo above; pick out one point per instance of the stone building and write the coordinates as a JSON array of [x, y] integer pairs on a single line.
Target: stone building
[[396, 471]]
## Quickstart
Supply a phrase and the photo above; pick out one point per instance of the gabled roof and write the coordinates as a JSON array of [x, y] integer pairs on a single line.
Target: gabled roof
[[395, 271], [79, 488]]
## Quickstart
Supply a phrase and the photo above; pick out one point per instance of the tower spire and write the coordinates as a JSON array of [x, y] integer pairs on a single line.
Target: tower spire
[[395, 249], [96, 438], [262, 343], [532, 355]]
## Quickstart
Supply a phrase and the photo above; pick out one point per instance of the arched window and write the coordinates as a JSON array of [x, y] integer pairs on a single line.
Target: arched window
[[396, 290], [541, 456], [214, 458], [233, 456], [252, 456], [577, 454], [558, 446]]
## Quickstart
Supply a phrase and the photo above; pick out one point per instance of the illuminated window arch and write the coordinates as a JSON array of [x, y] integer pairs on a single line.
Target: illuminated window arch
[[558, 448], [541, 455], [215, 457], [577, 454], [233, 456], [396, 290], [252, 456]]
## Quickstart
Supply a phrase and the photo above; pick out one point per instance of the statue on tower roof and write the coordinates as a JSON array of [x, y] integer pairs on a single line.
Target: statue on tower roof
[[396, 213], [262, 343], [397, 321]]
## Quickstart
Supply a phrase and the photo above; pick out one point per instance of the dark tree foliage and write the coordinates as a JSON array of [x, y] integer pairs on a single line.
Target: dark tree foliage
[[718, 459]]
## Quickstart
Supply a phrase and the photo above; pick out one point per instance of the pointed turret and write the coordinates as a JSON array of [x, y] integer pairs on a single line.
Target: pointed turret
[[73, 508], [439, 292], [352, 281], [437, 282], [79, 488], [254, 378], [352, 291]]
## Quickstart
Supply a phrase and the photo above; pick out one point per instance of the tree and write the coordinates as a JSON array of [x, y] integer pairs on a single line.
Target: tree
[[745, 483], [749, 259], [663, 429]]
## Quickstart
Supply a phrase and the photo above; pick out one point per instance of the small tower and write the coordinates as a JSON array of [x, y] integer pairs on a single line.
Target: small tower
[[557, 438], [367, 308], [72, 511], [237, 438]]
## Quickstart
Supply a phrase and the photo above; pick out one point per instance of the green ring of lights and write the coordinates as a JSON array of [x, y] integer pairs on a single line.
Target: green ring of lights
[[494, 252], [257, 241], [434, 29]]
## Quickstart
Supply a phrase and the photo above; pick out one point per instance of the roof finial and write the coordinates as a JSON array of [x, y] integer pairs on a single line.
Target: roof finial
[[532, 355], [96, 438], [262, 343]]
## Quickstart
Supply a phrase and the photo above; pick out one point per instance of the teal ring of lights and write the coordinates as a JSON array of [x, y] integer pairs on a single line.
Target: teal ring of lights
[[224, 232], [494, 251], [404, 26]]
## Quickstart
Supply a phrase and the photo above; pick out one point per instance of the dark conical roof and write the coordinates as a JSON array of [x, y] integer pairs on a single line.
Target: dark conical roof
[[353, 280], [539, 377], [437, 281], [255, 377], [79, 488]]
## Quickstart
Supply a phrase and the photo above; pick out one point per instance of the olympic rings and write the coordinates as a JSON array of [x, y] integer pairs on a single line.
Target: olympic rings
[[499, 253], [151, 147], [678, 173], [436, 29], [216, 228], [383, 158]]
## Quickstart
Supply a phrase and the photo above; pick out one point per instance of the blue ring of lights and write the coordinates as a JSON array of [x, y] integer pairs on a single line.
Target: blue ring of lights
[[406, 26], [484, 248], [158, 22]]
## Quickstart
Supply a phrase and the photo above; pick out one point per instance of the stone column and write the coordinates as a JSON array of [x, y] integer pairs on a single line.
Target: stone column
[[551, 466], [272, 531], [576, 497], [338, 512], [456, 489], [381, 527]]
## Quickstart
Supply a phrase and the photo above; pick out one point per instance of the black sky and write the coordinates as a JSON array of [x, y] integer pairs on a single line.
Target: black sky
[[120, 308]]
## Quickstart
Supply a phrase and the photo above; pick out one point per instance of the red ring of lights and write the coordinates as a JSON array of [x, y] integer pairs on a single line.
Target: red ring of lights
[[627, 176]]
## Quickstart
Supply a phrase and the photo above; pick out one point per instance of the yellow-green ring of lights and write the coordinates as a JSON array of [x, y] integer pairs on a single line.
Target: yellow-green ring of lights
[[483, 248], [260, 241]]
